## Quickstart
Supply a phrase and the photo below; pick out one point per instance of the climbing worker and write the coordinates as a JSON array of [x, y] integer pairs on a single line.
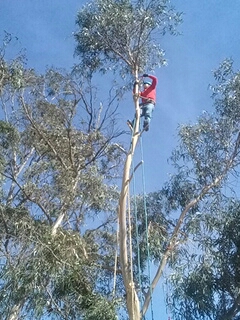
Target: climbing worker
[[148, 100]]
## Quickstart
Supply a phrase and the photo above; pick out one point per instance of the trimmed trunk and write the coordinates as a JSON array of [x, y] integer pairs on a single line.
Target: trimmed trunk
[[133, 305]]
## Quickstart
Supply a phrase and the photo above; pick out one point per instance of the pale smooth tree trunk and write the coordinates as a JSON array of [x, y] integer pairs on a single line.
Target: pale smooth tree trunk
[[133, 305]]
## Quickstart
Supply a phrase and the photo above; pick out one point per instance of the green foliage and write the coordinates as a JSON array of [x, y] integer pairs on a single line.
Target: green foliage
[[8, 136], [12, 73], [227, 92], [151, 225], [58, 275], [58, 159], [209, 285], [121, 35], [204, 280], [151, 230], [101, 309]]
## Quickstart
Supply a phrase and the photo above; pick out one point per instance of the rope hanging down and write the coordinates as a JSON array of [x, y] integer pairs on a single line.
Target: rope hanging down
[[146, 227], [146, 223], [137, 239]]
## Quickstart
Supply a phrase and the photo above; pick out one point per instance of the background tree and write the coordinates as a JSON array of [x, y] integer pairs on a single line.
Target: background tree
[[59, 164], [204, 282]]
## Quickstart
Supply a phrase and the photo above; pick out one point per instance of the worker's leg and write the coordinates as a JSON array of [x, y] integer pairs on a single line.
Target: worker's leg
[[147, 113]]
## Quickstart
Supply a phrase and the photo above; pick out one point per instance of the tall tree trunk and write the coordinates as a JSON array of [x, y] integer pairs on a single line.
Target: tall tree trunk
[[133, 305]]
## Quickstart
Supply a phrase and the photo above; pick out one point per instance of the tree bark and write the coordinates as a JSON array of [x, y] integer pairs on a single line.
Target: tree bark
[[133, 305]]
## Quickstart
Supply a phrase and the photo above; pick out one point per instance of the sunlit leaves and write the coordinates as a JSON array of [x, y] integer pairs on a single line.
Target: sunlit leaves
[[210, 280], [58, 158], [150, 228], [227, 91], [205, 276], [51, 272], [119, 34], [206, 148]]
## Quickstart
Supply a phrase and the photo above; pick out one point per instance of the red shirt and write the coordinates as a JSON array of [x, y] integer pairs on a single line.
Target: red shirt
[[150, 92]]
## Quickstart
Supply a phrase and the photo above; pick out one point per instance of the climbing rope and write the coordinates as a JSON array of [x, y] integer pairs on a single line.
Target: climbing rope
[[130, 245], [146, 224], [137, 239], [116, 259], [137, 231], [146, 227]]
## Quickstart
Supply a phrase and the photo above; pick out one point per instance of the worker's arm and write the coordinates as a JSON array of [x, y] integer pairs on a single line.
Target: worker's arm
[[154, 80]]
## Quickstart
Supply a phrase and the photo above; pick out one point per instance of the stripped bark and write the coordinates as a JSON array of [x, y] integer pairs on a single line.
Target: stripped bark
[[133, 305]]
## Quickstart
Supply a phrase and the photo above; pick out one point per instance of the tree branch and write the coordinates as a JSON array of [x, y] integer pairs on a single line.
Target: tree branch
[[173, 240]]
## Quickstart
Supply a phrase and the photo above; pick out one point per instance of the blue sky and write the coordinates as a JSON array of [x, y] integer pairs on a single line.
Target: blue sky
[[210, 33]]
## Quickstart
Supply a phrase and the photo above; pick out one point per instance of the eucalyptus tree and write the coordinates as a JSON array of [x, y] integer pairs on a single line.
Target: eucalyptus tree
[[120, 35], [59, 164], [208, 287], [204, 280], [124, 36]]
